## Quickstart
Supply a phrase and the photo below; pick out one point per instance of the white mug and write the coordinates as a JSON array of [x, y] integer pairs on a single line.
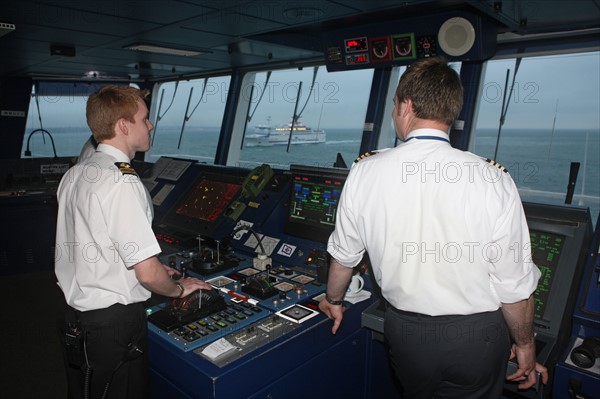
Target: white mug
[[356, 285]]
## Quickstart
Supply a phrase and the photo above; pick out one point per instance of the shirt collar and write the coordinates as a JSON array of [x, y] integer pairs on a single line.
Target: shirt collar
[[114, 152], [428, 132]]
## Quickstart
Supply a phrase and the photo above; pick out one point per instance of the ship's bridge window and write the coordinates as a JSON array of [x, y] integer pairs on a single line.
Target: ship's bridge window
[[56, 124], [187, 117], [388, 137], [302, 116], [549, 126]]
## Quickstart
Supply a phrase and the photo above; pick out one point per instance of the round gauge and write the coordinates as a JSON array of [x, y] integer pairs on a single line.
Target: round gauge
[[380, 50], [456, 36], [403, 47]]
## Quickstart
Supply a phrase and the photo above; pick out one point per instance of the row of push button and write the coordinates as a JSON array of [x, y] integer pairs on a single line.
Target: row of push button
[[213, 323]]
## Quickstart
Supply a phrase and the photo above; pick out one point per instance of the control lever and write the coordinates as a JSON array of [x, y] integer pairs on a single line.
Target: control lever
[[184, 270], [200, 239], [218, 252]]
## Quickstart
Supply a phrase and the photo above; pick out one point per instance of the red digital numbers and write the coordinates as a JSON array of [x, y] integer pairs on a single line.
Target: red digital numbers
[[356, 44]]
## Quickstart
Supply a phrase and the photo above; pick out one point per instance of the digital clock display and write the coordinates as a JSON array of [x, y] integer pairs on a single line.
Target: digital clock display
[[356, 44], [356, 59]]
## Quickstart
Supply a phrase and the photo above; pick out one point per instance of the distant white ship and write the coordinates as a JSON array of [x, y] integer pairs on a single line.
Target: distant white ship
[[267, 135]]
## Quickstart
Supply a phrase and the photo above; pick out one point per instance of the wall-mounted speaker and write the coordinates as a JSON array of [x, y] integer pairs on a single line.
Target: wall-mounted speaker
[[456, 36]]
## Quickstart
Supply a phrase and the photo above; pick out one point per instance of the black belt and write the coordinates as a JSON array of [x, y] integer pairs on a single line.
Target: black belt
[[98, 315], [426, 316], [407, 313]]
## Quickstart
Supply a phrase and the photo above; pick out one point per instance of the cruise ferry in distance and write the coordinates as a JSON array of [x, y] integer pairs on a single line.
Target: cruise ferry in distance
[[267, 135]]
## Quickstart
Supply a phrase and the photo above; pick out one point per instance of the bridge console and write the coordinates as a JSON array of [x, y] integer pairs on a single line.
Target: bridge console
[[259, 238]]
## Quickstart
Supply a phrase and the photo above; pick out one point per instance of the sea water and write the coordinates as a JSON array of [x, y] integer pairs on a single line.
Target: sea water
[[539, 161]]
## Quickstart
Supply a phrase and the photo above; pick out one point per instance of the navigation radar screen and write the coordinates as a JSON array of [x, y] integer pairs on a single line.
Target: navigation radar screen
[[545, 250], [313, 205], [208, 200]]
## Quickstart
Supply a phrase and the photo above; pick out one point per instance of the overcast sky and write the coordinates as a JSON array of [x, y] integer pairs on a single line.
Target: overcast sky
[[567, 84]]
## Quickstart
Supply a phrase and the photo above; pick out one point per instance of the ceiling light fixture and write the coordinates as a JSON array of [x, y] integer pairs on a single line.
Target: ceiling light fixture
[[151, 48], [303, 12]]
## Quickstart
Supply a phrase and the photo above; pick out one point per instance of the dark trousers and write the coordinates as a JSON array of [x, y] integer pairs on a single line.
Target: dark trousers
[[462, 357], [114, 350]]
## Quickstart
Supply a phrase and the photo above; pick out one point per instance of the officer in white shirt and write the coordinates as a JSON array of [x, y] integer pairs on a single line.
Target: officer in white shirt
[[106, 262], [449, 246], [88, 149]]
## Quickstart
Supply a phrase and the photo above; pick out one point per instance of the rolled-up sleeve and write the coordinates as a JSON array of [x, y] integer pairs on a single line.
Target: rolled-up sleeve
[[513, 275], [345, 244], [131, 227]]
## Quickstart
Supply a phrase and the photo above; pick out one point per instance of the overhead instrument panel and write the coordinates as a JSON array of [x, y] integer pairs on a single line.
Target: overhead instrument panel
[[458, 36]]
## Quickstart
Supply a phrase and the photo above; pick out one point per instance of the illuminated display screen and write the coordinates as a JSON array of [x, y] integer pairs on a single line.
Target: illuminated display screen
[[545, 249], [313, 206], [356, 45], [208, 199]]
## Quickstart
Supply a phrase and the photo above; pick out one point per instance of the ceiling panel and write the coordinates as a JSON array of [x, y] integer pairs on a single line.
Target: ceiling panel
[[232, 24], [73, 20], [235, 33], [57, 35], [171, 11]]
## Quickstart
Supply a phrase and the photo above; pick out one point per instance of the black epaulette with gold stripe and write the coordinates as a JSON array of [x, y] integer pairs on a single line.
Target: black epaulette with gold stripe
[[496, 164], [365, 155], [125, 168]]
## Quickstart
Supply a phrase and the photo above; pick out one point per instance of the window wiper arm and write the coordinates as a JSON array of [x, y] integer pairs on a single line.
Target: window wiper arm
[[187, 117], [505, 103], [158, 115]]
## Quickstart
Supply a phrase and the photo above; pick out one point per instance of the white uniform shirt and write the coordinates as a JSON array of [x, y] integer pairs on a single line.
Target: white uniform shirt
[[445, 230], [103, 230]]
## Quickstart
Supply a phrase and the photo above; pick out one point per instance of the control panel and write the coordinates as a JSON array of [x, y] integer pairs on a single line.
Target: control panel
[[198, 319], [258, 238]]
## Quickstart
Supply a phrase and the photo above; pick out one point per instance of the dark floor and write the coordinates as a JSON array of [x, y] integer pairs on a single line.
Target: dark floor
[[31, 363]]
